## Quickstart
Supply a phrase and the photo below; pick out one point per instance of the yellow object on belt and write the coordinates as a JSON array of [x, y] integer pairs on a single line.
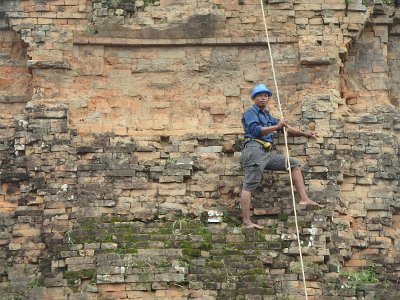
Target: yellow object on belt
[[266, 145]]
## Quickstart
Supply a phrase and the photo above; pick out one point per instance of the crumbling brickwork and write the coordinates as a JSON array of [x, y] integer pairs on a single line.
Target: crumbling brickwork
[[121, 136]]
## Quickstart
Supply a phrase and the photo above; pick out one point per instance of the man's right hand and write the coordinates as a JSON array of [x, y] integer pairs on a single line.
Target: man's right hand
[[282, 122]]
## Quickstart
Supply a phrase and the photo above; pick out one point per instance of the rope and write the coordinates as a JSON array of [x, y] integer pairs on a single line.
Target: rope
[[287, 150]]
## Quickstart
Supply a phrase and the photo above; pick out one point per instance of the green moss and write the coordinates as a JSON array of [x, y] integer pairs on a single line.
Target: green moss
[[168, 244], [231, 252], [256, 271], [191, 252], [115, 219], [260, 236], [123, 251], [37, 282], [271, 229], [165, 230], [74, 275], [283, 217], [357, 278], [185, 245], [216, 264], [163, 264], [231, 219], [267, 291], [89, 224], [309, 267], [200, 229]]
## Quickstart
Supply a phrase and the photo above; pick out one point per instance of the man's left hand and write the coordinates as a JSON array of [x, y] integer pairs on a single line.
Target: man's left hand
[[311, 134]]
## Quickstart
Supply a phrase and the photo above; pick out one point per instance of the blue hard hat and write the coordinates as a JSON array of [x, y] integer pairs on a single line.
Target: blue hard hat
[[260, 88]]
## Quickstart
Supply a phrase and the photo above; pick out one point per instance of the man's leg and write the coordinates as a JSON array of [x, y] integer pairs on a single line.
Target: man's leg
[[245, 201], [299, 184]]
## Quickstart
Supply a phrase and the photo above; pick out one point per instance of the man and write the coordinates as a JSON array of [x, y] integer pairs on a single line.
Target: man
[[258, 155]]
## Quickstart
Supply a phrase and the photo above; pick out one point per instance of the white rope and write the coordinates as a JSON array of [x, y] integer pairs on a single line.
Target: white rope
[[287, 150]]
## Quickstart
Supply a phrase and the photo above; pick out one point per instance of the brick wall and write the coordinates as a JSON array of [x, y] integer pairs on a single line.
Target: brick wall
[[127, 138]]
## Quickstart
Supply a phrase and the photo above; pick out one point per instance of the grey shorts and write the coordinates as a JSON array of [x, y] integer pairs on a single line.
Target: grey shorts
[[255, 160]]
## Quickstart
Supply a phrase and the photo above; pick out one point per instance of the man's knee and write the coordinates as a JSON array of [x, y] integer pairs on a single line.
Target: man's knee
[[250, 186], [296, 168]]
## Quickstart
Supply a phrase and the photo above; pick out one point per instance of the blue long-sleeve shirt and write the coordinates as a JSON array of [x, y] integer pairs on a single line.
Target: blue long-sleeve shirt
[[254, 119]]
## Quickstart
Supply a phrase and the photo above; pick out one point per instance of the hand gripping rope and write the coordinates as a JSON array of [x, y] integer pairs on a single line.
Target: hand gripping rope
[[287, 149]]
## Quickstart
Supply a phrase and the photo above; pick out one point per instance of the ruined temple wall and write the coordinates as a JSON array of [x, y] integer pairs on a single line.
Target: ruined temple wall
[[75, 38], [134, 115]]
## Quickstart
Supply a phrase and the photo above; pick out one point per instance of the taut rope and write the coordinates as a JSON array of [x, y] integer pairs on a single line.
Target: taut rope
[[287, 149]]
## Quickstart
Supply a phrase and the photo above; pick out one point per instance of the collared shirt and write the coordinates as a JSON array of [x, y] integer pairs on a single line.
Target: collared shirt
[[254, 119]]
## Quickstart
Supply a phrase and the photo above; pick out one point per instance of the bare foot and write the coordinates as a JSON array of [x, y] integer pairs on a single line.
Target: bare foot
[[309, 202], [252, 225]]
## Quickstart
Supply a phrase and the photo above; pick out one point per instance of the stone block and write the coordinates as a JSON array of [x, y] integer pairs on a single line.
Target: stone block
[[109, 279]]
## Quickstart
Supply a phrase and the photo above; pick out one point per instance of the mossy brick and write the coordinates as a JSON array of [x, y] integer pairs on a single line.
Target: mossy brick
[[144, 277], [230, 252], [215, 272], [156, 244], [191, 252], [142, 245], [280, 264], [159, 285], [195, 285], [160, 237], [252, 252], [212, 285], [243, 246], [85, 274], [65, 254], [218, 238], [275, 245], [173, 252], [195, 245], [79, 260], [149, 230], [216, 264], [176, 237], [104, 258], [169, 277], [108, 246], [106, 278], [241, 267], [197, 238], [227, 294], [235, 259], [217, 230], [110, 270], [172, 244]]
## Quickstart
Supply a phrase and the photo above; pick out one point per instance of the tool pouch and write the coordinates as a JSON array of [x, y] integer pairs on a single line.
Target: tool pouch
[[266, 145]]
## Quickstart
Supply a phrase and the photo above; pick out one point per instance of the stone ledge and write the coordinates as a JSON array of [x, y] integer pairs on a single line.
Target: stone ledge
[[316, 61], [14, 99], [44, 64], [224, 41], [380, 20]]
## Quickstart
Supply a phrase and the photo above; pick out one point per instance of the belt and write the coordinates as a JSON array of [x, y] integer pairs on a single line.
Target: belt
[[267, 146]]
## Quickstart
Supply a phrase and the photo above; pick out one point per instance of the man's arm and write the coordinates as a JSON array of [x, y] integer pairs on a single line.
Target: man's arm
[[266, 130], [296, 132], [281, 123]]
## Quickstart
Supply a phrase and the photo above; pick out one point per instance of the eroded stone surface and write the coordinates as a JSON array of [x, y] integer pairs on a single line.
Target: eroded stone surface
[[120, 131]]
